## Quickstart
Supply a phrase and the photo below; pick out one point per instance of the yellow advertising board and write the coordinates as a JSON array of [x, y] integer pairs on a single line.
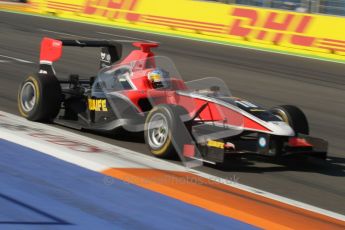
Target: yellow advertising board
[[307, 34]]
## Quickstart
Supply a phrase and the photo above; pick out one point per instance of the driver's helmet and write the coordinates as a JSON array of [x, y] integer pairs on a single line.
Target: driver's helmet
[[159, 78]]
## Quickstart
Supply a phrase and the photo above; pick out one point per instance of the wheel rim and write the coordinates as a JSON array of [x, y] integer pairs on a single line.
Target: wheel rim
[[28, 96], [158, 131], [280, 113]]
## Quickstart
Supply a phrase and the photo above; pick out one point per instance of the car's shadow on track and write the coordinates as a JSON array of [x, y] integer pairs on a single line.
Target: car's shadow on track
[[119, 135], [333, 166]]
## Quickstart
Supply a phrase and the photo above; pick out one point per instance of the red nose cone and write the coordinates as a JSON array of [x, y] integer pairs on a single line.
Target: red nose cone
[[145, 47]]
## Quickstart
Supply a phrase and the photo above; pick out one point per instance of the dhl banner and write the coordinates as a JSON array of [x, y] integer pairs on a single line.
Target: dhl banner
[[308, 34]]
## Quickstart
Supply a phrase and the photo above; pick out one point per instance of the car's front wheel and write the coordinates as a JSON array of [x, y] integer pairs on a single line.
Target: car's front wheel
[[164, 123], [294, 116]]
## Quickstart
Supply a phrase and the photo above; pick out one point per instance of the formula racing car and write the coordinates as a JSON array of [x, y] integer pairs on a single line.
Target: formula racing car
[[198, 120]]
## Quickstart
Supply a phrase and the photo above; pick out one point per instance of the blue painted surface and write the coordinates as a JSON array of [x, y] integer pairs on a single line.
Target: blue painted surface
[[41, 192]]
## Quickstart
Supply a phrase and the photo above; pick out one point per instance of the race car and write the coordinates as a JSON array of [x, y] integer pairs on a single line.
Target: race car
[[142, 92]]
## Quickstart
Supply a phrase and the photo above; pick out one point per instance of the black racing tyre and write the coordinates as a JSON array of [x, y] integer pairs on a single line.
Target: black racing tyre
[[39, 97], [293, 116], [162, 123]]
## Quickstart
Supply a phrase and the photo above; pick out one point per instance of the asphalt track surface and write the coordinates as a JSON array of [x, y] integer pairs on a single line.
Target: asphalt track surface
[[268, 79]]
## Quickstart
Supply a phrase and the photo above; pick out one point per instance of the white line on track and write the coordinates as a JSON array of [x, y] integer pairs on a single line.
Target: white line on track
[[16, 59], [67, 34], [113, 156], [128, 37]]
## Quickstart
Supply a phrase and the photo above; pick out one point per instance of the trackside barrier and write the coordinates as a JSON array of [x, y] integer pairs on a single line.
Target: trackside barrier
[[286, 31]]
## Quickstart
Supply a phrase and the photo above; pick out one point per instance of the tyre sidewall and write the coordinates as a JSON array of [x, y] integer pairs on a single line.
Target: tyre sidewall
[[165, 150], [172, 114], [47, 101], [30, 114]]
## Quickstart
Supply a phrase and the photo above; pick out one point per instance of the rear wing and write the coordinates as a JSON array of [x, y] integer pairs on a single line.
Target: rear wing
[[51, 51]]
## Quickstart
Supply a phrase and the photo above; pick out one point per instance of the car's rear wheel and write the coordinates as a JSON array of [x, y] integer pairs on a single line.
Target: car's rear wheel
[[162, 124], [39, 97], [294, 116]]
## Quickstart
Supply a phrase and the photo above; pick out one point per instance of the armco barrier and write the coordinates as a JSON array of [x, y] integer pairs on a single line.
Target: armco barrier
[[285, 31]]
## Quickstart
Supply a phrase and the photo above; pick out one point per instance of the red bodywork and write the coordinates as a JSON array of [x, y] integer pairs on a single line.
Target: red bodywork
[[213, 111], [51, 51], [299, 142]]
